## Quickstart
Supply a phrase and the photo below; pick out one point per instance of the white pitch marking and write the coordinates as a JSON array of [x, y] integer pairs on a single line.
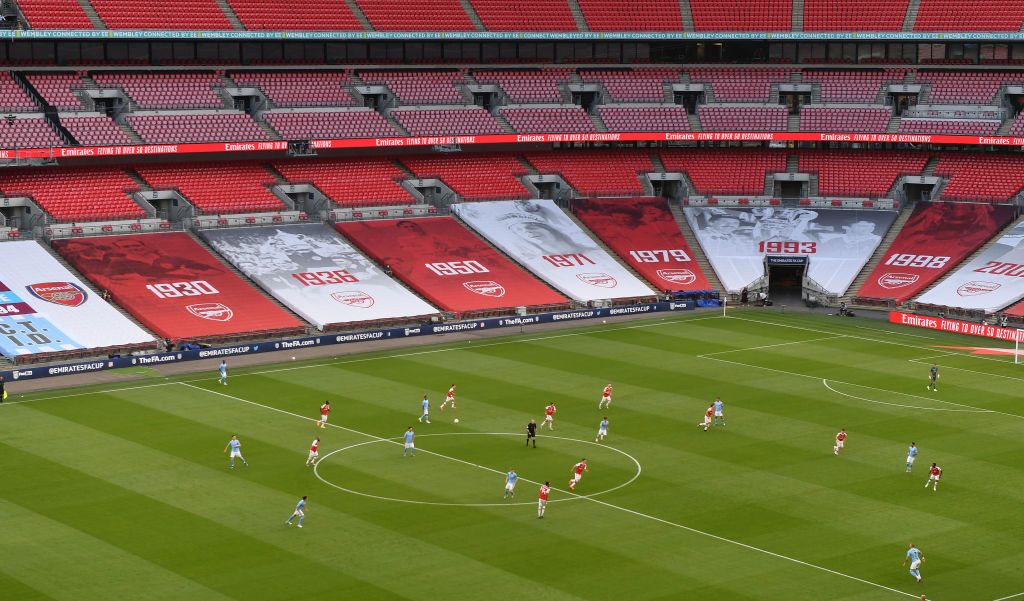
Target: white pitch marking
[[598, 501], [397, 441], [825, 382], [973, 371], [754, 348], [1010, 597]]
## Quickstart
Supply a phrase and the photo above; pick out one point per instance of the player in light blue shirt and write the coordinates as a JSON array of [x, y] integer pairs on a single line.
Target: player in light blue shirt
[[510, 483], [602, 430], [410, 447], [911, 455], [223, 369], [916, 558], [236, 450], [426, 411], [719, 406], [300, 512]]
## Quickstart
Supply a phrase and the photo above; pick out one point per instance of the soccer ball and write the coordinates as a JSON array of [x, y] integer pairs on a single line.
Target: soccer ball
[[319, 423], [456, 420], [293, 358]]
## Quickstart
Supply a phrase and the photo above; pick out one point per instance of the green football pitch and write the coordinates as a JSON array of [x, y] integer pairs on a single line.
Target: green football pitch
[[125, 492]]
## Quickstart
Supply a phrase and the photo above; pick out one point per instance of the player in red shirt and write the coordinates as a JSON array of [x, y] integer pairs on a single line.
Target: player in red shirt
[[314, 452], [450, 398], [542, 500], [707, 418], [577, 473], [840, 439], [549, 416], [933, 476], [324, 410], [606, 397]]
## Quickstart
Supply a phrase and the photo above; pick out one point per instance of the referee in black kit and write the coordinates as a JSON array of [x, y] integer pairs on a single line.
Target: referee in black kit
[[531, 433], [3, 391]]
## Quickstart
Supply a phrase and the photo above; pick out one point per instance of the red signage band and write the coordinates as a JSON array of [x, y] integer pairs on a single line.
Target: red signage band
[[956, 326], [701, 136]]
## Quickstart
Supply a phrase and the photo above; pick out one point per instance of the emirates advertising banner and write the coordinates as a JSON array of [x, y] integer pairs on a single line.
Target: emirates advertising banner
[[836, 242], [46, 309], [542, 238], [992, 280], [316, 273]]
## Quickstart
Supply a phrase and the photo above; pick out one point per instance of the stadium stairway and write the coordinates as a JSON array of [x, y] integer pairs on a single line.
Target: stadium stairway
[[995, 238], [577, 16], [473, 16], [600, 243], [230, 14], [881, 251], [695, 247], [687, 12], [910, 19], [90, 11], [798, 15], [359, 15]]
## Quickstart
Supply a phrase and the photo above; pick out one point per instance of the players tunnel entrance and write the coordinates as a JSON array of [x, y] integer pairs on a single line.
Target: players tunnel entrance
[[785, 278]]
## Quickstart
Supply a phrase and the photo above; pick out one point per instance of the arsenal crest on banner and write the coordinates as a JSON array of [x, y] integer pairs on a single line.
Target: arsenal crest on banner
[[66, 294], [602, 280], [977, 288], [211, 311], [677, 276], [354, 298], [486, 288], [890, 281]]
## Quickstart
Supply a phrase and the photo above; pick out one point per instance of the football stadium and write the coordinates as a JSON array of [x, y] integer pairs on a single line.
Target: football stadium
[[475, 300]]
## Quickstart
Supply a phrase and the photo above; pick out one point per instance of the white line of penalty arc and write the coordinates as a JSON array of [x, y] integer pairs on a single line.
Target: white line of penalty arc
[[590, 499]]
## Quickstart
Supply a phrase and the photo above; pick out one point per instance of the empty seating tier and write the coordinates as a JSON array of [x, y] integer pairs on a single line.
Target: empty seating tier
[[162, 14], [867, 119], [480, 177], [95, 130], [355, 182], [596, 173], [961, 87], [742, 118], [638, 15], [564, 119], [28, 132], [54, 14], [226, 188], [308, 16], [325, 125], [447, 122], [196, 127], [955, 127], [854, 15], [725, 171], [955, 15], [525, 15], [740, 85], [190, 90], [58, 89], [299, 88], [644, 118], [419, 87], [13, 98], [93, 194], [633, 85], [860, 174], [852, 86], [981, 177], [416, 15], [539, 85], [742, 15]]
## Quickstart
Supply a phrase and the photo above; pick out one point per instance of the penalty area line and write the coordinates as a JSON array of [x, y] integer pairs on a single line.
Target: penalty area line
[[971, 410], [587, 498], [1009, 597]]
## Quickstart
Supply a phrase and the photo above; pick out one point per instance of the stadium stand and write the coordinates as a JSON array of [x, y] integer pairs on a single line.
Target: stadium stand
[[454, 121], [354, 182], [854, 15], [724, 117], [295, 16], [548, 119], [644, 118], [58, 89], [180, 90], [596, 173], [521, 86], [86, 194], [944, 229], [28, 132], [968, 87], [742, 15], [95, 130], [148, 274], [852, 86], [981, 177], [314, 125], [12, 97], [1017, 129], [299, 88], [953, 15], [196, 127], [828, 118], [859, 173], [741, 84], [638, 15], [227, 188], [54, 14], [725, 171], [632, 227], [419, 87], [525, 15], [474, 177], [633, 85], [958, 127], [161, 14], [415, 15], [432, 256]]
